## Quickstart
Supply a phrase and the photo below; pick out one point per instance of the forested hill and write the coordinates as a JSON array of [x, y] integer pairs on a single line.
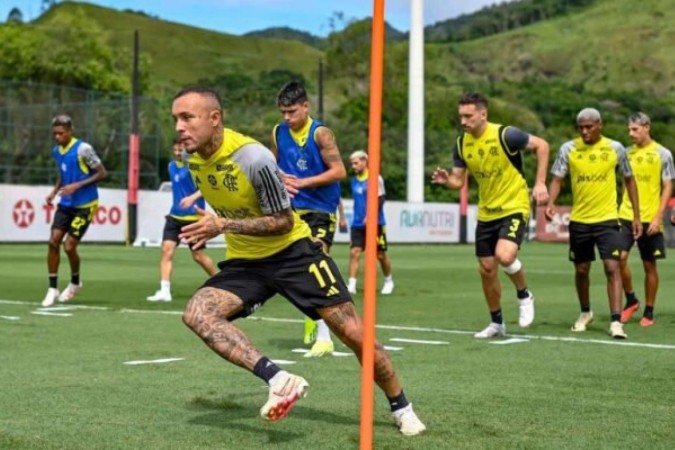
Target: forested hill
[[501, 17]]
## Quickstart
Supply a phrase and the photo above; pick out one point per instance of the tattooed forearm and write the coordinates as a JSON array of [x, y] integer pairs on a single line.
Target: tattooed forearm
[[206, 314], [272, 225]]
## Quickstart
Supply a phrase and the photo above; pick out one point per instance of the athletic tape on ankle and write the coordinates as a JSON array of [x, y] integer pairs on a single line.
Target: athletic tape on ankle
[[514, 267]]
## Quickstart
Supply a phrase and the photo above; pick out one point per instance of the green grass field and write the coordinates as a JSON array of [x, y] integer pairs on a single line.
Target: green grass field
[[65, 384]]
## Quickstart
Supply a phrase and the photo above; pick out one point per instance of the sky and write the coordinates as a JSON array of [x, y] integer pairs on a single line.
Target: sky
[[241, 16]]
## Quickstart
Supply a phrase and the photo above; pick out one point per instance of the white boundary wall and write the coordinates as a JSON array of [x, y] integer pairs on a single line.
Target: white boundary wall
[[24, 217]]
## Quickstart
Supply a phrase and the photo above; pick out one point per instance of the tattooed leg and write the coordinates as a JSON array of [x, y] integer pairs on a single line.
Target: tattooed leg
[[206, 314], [345, 323]]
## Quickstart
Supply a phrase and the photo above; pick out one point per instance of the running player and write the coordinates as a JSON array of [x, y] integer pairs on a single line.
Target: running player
[[309, 158], [359, 187], [591, 161], [492, 153], [652, 166], [186, 198], [269, 251], [79, 169]]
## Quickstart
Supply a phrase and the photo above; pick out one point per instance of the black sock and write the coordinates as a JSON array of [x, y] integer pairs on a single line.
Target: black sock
[[75, 278], [649, 312], [630, 299], [265, 369], [398, 402], [616, 316], [586, 309], [496, 316], [52, 281], [523, 293]]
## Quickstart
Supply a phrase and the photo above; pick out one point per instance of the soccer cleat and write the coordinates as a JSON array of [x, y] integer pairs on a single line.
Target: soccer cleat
[[646, 322], [526, 311], [71, 291], [160, 296], [387, 287], [616, 330], [284, 393], [320, 348], [407, 421], [492, 330], [584, 319], [628, 312], [51, 297], [309, 335]]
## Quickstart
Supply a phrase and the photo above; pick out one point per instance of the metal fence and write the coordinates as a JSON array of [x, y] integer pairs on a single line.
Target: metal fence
[[102, 119]]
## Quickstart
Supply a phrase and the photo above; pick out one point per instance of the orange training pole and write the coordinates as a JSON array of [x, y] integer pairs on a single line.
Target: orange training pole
[[370, 300]]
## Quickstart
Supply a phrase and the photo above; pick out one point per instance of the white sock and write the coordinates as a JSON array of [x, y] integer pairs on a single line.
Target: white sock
[[277, 377], [389, 279], [322, 331], [352, 282], [165, 286]]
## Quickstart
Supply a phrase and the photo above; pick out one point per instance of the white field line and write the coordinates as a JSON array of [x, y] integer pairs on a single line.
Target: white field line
[[509, 341], [283, 361], [394, 327], [10, 317], [47, 313], [418, 341], [152, 361]]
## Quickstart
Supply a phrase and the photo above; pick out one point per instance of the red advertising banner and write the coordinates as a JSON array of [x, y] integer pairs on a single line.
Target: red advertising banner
[[555, 230]]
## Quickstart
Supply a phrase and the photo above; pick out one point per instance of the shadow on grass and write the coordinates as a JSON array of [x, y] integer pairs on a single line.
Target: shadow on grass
[[225, 413]]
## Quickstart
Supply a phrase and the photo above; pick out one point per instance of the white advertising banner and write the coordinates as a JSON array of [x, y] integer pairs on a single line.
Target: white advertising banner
[[26, 217], [153, 206], [417, 222]]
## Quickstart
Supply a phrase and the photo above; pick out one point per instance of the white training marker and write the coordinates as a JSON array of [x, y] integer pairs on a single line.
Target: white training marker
[[49, 313], [282, 361], [418, 341], [510, 341], [152, 361], [10, 317], [342, 354], [392, 348]]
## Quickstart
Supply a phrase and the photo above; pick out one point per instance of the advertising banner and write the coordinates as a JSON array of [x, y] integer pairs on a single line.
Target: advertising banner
[[26, 217]]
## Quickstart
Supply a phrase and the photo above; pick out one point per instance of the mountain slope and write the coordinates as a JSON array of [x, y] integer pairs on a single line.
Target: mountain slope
[[176, 54]]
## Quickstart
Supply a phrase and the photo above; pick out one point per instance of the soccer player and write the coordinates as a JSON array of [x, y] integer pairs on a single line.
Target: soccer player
[[359, 186], [79, 169], [186, 197], [309, 158], [652, 167], [269, 251], [591, 161], [493, 155]]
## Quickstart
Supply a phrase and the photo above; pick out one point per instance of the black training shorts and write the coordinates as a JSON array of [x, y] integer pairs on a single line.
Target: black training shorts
[[302, 273], [358, 238], [74, 221], [172, 228], [651, 247], [322, 225], [511, 228], [584, 237]]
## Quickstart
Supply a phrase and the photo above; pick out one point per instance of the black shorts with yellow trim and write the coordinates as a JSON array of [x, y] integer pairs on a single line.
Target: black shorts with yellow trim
[[172, 229], [357, 238], [321, 223], [302, 273], [74, 221], [488, 233], [651, 247], [584, 237]]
